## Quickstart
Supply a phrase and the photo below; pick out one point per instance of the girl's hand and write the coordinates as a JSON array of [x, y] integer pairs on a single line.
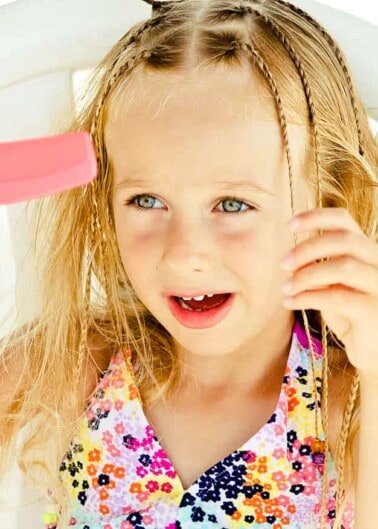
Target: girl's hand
[[344, 288]]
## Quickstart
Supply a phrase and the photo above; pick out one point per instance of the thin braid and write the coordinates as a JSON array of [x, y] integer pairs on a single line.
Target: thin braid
[[263, 67], [95, 223], [345, 430], [289, 48], [324, 407], [355, 384], [340, 57]]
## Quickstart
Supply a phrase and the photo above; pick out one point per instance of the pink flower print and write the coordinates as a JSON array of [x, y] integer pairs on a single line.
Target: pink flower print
[[161, 457], [119, 382], [249, 457], [282, 486], [278, 476], [119, 428], [105, 383], [171, 473], [107, 437], [149, 431], [171, 526], [147, 519], [127, 510], [331, 504], [283, 500], [166, 487], [142, 496], [155, 468], [152, 486], [106, 405], [114, 451], [278, 430], [309, 490], [116, 373], [294, 479], [141, 471], [118, 405], [147, 442], [108, 526], [126, 525], [131, 442], [117, 358], [278, 453], [297, 444]]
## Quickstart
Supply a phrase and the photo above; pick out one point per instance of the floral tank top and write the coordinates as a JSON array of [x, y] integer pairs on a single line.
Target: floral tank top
[[118, 475]]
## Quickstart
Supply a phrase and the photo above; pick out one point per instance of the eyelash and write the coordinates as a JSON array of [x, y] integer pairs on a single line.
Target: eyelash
[[130, 202]]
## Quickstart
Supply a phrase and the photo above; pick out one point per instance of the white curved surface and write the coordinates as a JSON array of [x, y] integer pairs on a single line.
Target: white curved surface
[[42, 42]]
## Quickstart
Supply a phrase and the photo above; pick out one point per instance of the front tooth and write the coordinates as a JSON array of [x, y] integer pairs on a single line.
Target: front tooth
[[199, 298], [186, 299], [209, 295]]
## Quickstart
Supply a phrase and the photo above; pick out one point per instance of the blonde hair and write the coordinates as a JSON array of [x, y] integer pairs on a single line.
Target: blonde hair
[[300, 65]]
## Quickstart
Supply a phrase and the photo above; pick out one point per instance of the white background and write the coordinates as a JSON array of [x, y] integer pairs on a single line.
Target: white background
[[367, 9]]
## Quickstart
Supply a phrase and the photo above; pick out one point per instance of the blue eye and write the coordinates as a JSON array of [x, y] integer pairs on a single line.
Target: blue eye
[[148, 200]]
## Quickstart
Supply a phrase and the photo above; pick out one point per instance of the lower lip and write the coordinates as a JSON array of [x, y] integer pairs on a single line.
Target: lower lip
[[200, 320]]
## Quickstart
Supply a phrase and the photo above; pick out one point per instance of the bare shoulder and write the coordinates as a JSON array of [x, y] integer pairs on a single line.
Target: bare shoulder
[[95, 363]]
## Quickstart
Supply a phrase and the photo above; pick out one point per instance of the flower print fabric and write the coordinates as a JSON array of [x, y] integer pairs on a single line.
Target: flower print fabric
[[118, 476]]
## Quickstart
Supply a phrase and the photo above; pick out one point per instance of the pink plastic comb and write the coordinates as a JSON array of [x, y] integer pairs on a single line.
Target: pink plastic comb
[[38, 167]]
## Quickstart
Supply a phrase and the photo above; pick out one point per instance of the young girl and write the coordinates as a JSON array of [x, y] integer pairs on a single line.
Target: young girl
[[183, 388]]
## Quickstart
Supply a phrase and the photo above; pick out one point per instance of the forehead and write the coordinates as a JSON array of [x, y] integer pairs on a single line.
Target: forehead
[[235, 92], [204, 121]]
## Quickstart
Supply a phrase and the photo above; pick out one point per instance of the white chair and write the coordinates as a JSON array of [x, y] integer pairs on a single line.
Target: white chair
[[42, 44]]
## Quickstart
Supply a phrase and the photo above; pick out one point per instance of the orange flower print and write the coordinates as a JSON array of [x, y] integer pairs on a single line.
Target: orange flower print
[[104, 509], [119, 472], [108, 468], [111, 484], [133, 391], [92, 470], [135, 487], [94, 455], [104, 494], [262, 469], [292, 403]]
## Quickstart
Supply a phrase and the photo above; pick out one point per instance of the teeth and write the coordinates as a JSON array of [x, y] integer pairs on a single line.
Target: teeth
[[199, 298]]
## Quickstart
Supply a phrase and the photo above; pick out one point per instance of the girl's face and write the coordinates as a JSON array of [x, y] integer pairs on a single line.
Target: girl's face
[[207, 160]]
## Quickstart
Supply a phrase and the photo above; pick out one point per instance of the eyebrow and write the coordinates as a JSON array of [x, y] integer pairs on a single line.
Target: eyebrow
[[223, 184]]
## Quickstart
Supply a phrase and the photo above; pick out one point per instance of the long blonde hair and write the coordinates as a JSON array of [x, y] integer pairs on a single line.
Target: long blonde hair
[[88, 307]]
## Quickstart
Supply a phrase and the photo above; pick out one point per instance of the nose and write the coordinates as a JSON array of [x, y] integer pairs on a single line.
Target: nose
[[190, 246]]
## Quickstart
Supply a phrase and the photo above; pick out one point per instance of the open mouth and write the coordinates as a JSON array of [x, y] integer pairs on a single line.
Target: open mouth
[[200, 305]]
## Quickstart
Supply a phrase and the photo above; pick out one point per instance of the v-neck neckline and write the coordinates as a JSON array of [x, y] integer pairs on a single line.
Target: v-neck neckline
[[250, 442]]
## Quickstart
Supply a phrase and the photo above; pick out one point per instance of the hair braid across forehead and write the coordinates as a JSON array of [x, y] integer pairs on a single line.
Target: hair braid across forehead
[[341, 59]]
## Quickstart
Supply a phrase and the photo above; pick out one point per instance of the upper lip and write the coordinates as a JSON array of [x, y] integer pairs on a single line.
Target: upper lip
[[195, 293]]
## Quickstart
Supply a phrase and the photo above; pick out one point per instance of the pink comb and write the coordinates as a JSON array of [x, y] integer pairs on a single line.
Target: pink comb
[[38, 167]]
